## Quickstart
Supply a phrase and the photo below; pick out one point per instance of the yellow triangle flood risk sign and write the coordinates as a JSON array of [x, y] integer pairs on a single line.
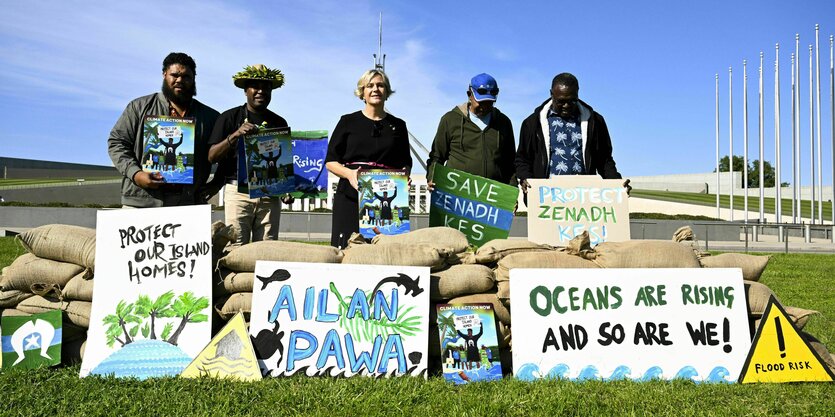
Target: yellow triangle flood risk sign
[[779, 354], [228, 355]]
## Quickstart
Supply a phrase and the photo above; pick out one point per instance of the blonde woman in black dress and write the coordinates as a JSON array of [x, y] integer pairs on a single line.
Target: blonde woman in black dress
[[369, 138]]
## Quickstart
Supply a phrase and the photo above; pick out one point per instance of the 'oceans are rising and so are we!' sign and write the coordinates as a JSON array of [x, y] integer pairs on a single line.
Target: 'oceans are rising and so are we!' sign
[[563, 207], [640, 324], [340, 320]]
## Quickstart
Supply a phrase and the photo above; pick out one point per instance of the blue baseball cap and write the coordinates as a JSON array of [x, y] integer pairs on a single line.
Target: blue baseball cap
[[484, 87]]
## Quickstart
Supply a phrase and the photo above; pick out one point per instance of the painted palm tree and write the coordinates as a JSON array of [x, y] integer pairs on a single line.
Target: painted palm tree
[[159, 308], [447, 327], [188, 308], [118, 324], [367, 189]]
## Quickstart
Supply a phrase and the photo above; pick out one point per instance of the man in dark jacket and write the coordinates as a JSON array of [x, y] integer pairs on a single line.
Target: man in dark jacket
[[564, 136], [126, 142], [475, 137]]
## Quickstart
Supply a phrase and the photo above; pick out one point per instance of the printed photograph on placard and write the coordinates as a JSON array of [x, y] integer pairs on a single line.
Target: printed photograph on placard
[[309, 149], [383, 202], [169, 148], [269, 163], [469, 345]]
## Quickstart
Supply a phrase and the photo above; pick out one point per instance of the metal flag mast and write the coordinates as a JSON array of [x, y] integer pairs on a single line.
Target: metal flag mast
[[745, 136], [380, 64]]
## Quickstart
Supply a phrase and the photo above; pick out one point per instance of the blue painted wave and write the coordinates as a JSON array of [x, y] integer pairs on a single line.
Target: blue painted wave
[[559, 372], [654, 372], [589, 372], [687, 372], [621, 372], [719, 374], [528, 372]]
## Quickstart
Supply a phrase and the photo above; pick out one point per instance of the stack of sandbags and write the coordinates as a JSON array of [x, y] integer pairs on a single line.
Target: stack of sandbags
[[236, 270], [55, 274], [435, 247]]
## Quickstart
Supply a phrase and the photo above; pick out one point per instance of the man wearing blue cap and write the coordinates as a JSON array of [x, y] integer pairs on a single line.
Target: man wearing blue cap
[[475, 137], [564, 136]]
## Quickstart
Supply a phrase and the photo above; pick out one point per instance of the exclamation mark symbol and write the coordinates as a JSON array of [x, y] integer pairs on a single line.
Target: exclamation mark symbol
[[780, 342], [193, 262], [726, 336]]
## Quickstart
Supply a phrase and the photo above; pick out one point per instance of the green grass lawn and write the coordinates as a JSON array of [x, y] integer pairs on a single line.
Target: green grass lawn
[[739, 202], [799, 280]]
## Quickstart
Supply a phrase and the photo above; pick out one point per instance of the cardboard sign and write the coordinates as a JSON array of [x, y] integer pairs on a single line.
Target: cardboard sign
[[469, 345], [340, 320], [150, 316], [269, 163], [383, 202], [228, 355], [309, 150], [169, 148], [780, 354], [479, 207], [566, 206], [641, 324], [32, 341]]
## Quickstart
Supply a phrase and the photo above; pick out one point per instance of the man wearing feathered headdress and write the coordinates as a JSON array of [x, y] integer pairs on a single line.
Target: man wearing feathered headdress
[[255, 218]]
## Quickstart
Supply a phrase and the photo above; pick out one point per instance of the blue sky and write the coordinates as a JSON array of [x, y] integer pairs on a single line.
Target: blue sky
[[68, 68]]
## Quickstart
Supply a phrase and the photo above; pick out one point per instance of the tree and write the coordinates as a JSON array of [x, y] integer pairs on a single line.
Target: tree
[[188, 308], [158, 308], [118, 324], [753, 171]]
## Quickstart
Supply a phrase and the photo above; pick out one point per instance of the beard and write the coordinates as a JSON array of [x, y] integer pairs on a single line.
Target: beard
[[180, 99]]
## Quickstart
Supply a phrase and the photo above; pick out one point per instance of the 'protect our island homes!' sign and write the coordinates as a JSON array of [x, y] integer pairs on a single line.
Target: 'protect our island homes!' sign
[[561, 208], [479, 207], [638, 324], [340, 320], [152, 291]]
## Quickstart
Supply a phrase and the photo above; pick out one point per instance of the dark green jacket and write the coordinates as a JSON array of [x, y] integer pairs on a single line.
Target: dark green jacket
[[461, 144]]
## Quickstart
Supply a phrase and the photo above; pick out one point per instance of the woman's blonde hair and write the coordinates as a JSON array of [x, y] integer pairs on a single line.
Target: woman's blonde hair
[[366, 78]]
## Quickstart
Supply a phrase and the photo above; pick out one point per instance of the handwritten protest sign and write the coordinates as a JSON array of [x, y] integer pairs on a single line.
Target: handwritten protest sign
[[340, 320], [566, 206], [639, 324], [152, 291], [479, 207], [383, 202], [309, 149]]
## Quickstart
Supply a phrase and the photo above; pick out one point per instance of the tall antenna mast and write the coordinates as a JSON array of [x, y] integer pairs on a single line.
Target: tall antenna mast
[[380, 57]]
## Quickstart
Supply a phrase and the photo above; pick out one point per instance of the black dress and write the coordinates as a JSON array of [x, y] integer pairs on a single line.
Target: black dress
[[357, 141]]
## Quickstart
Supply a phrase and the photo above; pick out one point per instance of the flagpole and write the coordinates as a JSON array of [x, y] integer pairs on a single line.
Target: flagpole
[[731, 137], [745, 137], [778, 206], [798, 157], [832, 121], [718, 176], [811, 137], [762, 141], [818, 117], [794, 153]]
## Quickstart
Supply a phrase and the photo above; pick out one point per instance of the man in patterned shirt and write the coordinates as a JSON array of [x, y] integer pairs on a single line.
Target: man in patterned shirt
[[564, 136]]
